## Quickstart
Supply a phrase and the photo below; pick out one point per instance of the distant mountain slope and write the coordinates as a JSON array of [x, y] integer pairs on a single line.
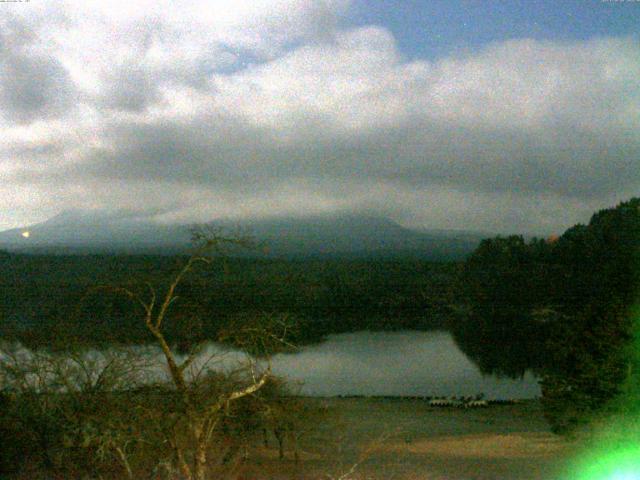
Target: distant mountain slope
[[323, 236], [86, 231]]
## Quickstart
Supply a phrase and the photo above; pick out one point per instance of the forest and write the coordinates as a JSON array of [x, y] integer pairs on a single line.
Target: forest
[[44, 296], [568, 304]]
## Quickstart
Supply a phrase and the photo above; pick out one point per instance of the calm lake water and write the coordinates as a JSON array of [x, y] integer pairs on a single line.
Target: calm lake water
[[404, 363], [394, 363]]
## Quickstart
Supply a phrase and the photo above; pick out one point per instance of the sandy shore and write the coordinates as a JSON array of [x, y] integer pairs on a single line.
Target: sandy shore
[[407, 439]]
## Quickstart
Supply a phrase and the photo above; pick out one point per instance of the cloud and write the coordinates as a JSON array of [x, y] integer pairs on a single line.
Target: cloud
[[33, 83], [274, 108]]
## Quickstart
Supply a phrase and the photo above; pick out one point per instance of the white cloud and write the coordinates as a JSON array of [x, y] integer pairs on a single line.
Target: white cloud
[[257, 108]]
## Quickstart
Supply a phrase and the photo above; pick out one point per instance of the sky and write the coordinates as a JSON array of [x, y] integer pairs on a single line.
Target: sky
[[511, 116]]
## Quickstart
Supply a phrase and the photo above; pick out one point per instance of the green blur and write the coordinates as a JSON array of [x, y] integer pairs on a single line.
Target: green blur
[[620, 464], [613, 452]]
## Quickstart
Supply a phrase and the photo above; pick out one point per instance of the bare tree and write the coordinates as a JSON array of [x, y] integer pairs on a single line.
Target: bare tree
[[101, 411], [287, 416], [203, 398], [57, 400]]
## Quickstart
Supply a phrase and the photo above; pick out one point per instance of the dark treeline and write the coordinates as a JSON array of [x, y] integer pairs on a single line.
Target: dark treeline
[[563, 306], [507, 285], [46, 297]]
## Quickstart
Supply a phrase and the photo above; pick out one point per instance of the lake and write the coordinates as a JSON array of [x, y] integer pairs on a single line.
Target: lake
[[404, 363]]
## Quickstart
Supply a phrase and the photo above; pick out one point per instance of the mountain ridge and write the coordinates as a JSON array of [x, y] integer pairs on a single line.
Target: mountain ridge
[[341, 235]]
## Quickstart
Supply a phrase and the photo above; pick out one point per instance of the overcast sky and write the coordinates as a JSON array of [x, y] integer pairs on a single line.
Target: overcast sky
[[505, 116]]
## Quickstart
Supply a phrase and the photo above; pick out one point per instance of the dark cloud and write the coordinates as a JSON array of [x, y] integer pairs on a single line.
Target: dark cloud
[[130, 89], [221, 152], [34, 87], [33, 84]]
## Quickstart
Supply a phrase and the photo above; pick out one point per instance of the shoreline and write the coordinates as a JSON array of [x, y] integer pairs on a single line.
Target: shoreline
[[406, 439]]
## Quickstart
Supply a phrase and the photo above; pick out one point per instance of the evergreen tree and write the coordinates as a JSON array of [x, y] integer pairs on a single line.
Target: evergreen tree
[[591, 345]]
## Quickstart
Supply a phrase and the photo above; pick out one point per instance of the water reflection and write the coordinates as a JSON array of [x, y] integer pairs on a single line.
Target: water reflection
[[402, 363], [395, 363]]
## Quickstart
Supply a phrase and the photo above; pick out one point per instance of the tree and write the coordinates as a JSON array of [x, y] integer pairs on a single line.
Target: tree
[[78, 411], [53, 400], [204, 398], [591, 343], [505, 284]]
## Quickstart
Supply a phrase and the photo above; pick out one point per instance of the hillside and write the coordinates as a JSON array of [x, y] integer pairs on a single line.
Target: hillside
[[317, 236]]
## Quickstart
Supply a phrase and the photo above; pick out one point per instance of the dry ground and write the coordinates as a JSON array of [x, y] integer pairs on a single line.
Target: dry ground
[[406, 439]]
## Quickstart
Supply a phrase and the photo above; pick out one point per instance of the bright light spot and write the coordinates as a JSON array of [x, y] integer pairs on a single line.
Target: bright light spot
[[618, 464], [626, 476], [26, 234]]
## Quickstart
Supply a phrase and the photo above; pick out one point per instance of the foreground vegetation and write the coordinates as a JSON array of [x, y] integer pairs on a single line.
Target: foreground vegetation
[[363, 438], [73, 413], [146, 431]]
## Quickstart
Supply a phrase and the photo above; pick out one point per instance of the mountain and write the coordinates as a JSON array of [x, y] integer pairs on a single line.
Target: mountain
[[77, 231], [348, 235], [354, 235]]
